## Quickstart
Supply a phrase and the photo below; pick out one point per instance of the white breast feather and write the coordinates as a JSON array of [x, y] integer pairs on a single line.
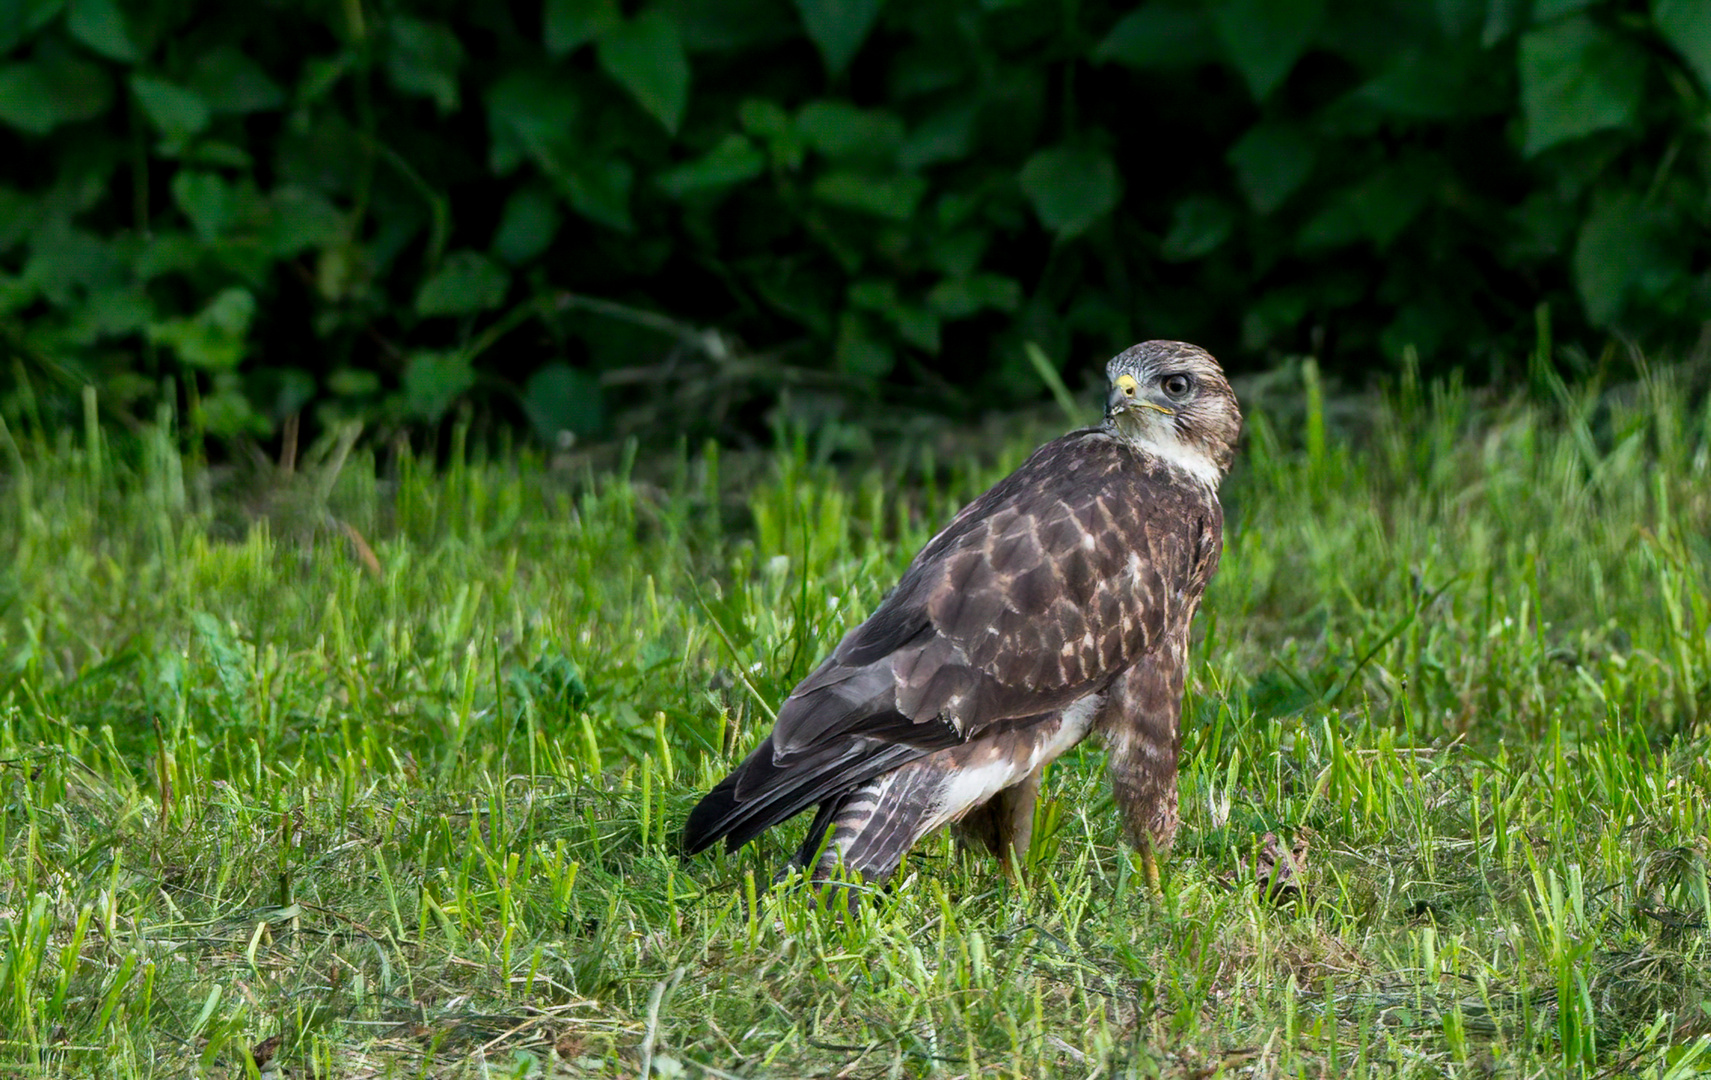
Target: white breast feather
[[1190, 459], [968, 788]]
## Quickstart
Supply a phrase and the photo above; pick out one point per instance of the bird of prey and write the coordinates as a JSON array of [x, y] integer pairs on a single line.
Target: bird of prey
[[1056, 604]]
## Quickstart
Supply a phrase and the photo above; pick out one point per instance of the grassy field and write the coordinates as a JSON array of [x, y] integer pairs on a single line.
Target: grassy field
[[376, 770]]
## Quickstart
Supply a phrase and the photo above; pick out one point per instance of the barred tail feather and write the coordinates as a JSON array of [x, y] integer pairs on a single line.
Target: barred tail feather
[[761, 793]]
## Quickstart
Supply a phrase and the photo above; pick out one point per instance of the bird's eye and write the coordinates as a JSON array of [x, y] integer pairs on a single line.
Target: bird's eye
[[1176, 385]]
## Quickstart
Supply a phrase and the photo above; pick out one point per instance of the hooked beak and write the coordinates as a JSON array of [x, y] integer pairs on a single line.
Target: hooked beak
[[1118, 402]]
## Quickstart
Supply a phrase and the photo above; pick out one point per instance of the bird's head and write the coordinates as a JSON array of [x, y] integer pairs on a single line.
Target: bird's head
[[1172, 398]]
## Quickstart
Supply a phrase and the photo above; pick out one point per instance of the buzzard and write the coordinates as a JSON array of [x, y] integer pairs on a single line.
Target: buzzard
[[1054, 605]]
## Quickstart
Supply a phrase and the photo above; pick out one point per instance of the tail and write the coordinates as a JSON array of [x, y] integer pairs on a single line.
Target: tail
[[761, 792]]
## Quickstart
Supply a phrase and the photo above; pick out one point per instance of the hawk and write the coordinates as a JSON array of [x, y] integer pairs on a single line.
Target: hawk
[[1054, 605]]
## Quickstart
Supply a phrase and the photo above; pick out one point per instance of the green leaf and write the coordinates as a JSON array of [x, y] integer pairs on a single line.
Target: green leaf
[[352, 382], [231, 82], [560, 398], [321, 74], [41, 94], [795, 286], [1161, 34], [1459, 18], [1546, 10], [434, 380], [843, 132], [732, 25], [599, 189], [1424, 86], [299, 219], [1386, 202], [894, 196], [918, 326], [1271, 161], [567, 25], [1264, 38], [527, 226], [18, 216], [100, 25], [176, 113], [958, 298], [64, 259], [1502, 18], [1686, 25], [117, 311], [16, 294], [532, 115], [838, 27], [860, 352], [1333, 226], [168, 251], [646, 56], [1577, 78], [1623, 250], [915, 324], [281, 391], [1071, 187], [225, 412], [466, 282], [946, 135], [768, 122], [205, 200], [214, 154], [873, 295], [734, 160], [1376, 209], [1198, 225], [213, 338], [956, 254], [764, 118], [424, 58], [21, 18]]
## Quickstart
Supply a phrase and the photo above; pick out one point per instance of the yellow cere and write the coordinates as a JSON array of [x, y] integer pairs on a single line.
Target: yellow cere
[[1127, 384]]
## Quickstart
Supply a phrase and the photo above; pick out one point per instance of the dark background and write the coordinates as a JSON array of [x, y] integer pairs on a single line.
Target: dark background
[[608, 217]]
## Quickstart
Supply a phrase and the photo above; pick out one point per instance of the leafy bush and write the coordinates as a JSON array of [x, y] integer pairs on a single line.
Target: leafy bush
[[376, 210]]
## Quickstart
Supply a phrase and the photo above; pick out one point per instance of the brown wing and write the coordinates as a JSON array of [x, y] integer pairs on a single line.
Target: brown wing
[[1039, 592]]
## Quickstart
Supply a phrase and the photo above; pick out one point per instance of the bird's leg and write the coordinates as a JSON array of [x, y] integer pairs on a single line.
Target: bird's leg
[[1003, 825], [1144, 737], [1018, 825], [1149, 867]]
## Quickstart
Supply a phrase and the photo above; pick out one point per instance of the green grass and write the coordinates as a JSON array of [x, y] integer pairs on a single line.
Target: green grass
[[421, 821]]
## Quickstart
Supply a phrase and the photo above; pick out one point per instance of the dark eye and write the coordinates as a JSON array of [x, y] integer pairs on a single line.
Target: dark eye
[[1176, 385]]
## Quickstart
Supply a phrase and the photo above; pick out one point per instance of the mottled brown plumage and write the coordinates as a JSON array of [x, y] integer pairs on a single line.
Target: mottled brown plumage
[[1056, 603]]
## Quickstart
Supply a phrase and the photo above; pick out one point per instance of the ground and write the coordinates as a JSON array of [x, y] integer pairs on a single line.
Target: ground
[[375, 770]]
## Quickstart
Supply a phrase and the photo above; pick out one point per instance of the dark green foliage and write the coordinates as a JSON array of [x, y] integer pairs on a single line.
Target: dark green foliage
[[378, 210]]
